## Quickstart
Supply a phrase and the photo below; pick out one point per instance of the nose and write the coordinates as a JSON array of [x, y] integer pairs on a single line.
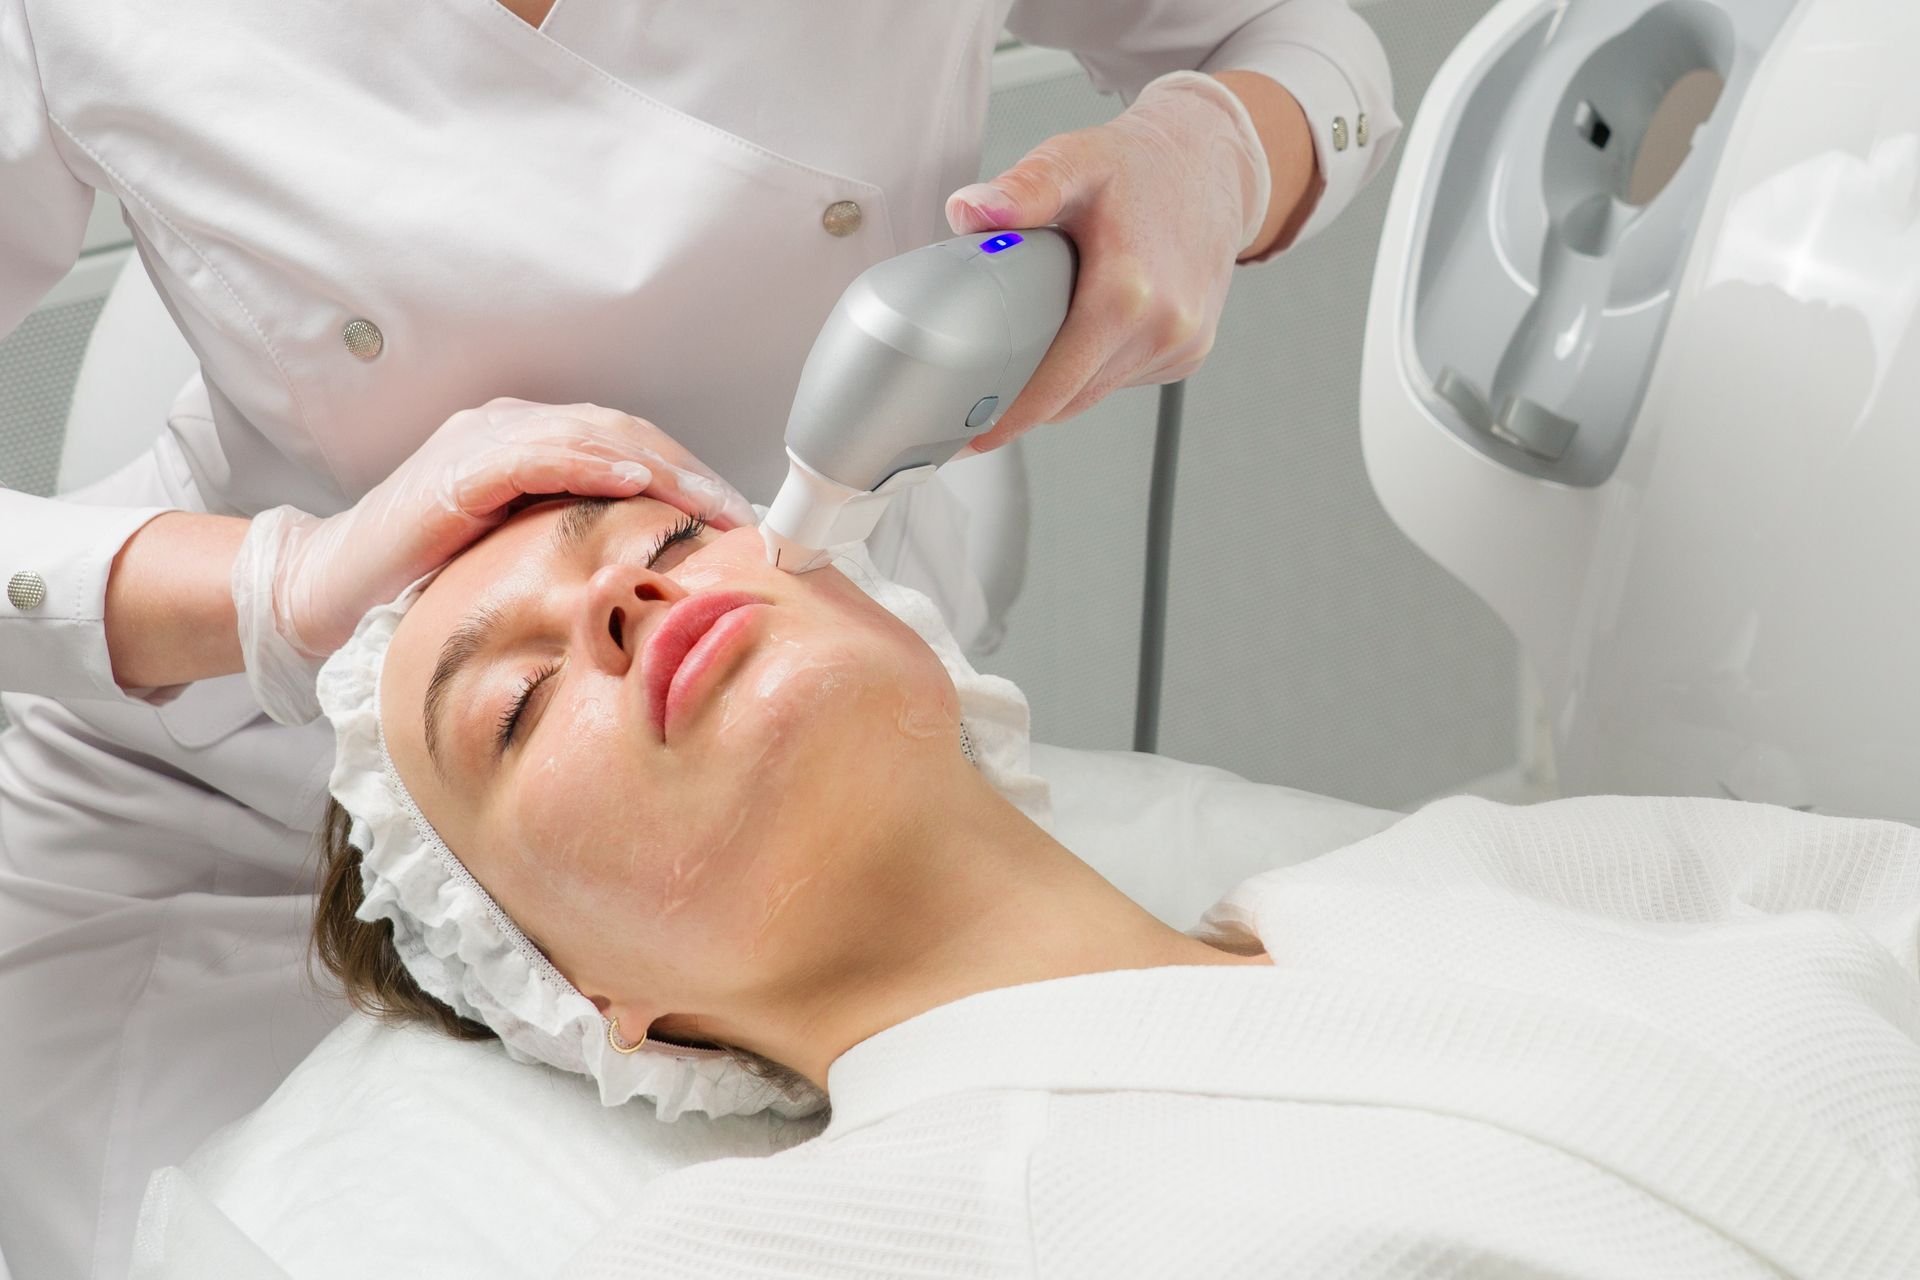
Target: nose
[[620, 599]]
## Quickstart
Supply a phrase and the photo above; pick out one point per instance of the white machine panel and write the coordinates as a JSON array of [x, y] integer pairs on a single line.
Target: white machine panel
[[1733, 609]]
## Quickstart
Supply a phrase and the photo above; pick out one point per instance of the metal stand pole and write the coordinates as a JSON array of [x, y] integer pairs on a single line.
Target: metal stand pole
[[1153, 598]]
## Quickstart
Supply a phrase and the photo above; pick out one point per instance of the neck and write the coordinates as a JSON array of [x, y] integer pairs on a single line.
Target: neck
[[964, 896]]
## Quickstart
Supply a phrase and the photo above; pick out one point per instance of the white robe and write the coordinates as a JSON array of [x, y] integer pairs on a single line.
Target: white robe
[[1600, 1037]]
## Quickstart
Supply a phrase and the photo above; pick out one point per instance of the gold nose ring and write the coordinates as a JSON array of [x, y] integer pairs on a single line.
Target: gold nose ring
[[613, 1038]]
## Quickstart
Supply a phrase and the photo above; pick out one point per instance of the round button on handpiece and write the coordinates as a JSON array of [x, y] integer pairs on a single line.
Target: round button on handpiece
[[981, 411]]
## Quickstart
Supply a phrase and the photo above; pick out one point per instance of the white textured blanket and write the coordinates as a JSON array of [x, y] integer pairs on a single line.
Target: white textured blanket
[[1602, 1037]]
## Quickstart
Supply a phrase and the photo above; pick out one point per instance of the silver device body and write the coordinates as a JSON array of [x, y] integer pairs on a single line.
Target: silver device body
[[922, 353]]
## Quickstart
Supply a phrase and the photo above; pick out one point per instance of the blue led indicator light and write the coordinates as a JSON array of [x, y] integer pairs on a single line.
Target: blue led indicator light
[[1000, 242]]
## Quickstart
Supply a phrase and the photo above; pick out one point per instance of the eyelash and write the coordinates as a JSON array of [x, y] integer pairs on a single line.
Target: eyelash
[[510, 718], [689, 527]]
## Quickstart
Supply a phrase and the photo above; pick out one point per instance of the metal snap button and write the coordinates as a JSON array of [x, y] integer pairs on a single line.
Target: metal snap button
[[842, 218], [363, 338], [1339, 133], [1361, 130], [26, 590]]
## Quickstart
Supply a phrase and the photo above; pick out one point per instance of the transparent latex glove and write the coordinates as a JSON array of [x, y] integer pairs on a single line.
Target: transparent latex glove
[[1159, 201], [302, 583]]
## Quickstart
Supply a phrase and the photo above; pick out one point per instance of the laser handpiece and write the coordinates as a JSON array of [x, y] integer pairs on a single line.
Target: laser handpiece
[[922, 353]]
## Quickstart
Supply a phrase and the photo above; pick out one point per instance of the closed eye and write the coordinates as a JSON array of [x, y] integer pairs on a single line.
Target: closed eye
[[510, 719], [690, 527]]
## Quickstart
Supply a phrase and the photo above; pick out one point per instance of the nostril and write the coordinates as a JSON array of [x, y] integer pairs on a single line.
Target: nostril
[[614, 627]]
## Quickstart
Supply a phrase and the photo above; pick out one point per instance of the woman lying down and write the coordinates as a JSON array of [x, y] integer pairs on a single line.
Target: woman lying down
[[646, 809]]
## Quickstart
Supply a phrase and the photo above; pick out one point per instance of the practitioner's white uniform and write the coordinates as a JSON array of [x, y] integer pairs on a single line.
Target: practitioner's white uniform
[[626, 206]]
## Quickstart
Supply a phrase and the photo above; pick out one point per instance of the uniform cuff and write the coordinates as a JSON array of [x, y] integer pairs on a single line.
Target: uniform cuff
[[1350, 142], [54, 560]]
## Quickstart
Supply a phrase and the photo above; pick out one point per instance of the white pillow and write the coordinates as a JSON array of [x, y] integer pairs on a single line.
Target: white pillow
[[398, 1151], [395, 1150], [1175, 836]]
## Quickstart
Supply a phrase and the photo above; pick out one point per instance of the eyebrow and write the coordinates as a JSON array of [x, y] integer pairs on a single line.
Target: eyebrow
[[579, 520], [478, 632]]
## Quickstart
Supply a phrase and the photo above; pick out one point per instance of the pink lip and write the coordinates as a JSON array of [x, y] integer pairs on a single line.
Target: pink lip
[[690, 641]]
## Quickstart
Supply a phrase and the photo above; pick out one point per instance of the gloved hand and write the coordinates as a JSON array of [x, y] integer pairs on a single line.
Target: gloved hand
[[302, 583], [1160, 201]]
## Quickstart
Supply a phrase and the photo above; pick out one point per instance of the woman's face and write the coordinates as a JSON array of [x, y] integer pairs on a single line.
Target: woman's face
[[648, 743]]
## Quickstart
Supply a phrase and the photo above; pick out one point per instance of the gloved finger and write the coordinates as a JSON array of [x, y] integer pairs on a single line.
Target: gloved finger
[[1164, 369], [1096, 325], [483, 494], [1121, 369], [698, 494], [1046, 185], [616, 436], [1077, 352], [694, 492], [571, 471], [693, 489], [1138, 361], [620, 430], [1171, 343]]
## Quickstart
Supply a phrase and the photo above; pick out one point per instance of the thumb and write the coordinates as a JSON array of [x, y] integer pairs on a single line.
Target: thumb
[[1028, 195]]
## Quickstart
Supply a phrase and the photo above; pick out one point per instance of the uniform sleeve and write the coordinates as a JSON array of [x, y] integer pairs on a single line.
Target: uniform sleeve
[[1318, 50], [54, 556]]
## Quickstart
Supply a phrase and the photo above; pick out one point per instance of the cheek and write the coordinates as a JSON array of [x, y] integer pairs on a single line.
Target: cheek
[[603, 833], [848, 685], [601, 855], [580, 821]]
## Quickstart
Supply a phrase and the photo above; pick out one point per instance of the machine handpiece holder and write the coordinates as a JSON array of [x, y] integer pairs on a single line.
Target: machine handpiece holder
[[922, 353]]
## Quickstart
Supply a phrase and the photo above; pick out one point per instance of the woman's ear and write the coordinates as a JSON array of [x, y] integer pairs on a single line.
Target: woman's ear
[[631, 1020]]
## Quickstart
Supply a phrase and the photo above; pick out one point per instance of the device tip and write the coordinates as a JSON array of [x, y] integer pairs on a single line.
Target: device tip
[[789, 556]]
